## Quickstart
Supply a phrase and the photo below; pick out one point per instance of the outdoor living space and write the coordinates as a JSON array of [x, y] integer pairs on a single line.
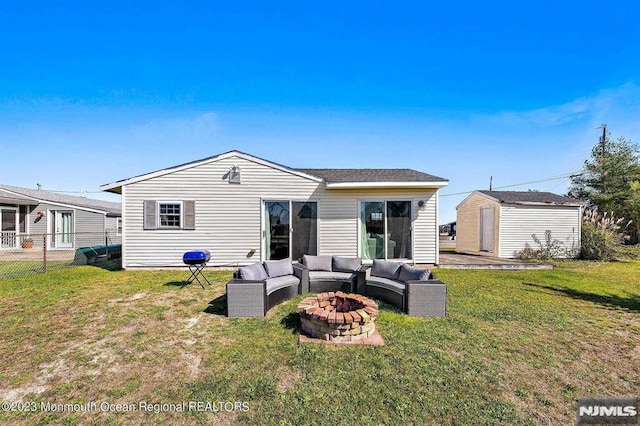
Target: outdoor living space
[[516, 347]]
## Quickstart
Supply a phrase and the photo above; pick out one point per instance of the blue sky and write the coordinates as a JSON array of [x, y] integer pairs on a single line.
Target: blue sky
[[90, 94]]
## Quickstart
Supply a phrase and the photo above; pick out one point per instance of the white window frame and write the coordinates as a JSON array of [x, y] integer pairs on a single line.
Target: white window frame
[[159, 222]]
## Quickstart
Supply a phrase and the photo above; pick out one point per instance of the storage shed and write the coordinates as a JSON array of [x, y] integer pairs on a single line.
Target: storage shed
[[501, 223]]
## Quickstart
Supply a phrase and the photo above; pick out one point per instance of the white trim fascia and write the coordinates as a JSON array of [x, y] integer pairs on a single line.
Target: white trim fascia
[[437, 228], [123, 237], [158, 173], [500, 230], [263, 231], [383, 185], [54, 203]]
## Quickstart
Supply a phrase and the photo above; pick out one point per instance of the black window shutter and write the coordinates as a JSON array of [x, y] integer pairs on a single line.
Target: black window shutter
[[189, 214], [149, 215]]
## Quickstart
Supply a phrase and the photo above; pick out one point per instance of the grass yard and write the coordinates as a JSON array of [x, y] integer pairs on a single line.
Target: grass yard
[[517, 347]]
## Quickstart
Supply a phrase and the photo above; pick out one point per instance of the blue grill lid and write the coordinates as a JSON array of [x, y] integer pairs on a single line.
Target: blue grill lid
[[196, 256]]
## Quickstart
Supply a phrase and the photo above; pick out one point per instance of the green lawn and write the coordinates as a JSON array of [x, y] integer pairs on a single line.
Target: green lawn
[[515, 348]]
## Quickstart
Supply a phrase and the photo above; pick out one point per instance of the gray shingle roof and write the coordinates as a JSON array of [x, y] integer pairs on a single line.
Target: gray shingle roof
[[372, 175], [526, 197], [55, 197]]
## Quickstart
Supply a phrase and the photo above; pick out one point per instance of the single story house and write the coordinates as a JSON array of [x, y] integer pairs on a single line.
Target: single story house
[[501, 223], [68, 221], [245, 209]]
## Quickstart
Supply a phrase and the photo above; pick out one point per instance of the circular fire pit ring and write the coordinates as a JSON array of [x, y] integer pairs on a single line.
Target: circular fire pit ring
[[338, 317]]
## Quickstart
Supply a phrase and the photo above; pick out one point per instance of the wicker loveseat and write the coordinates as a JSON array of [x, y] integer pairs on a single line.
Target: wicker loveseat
[[257, 288], [331, 273], [414, 290]]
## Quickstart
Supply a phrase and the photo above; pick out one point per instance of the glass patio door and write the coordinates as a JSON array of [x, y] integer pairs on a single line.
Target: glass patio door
[[290, 229], [9, 228], [63, 229], [276, 230], [385, 230]]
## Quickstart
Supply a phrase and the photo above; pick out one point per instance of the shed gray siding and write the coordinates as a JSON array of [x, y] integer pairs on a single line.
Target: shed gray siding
[[229, 216], [519, 222]]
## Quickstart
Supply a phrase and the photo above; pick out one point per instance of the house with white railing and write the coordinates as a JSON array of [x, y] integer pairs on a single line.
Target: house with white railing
[[33, 217]]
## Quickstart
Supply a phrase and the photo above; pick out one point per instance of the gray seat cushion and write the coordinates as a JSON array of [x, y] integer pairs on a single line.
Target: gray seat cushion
[[346, 264], [386, 283], [409, 273], [254, 272], [317, 263], [386, 269], [331, 276], [277, 283], [278, 268]]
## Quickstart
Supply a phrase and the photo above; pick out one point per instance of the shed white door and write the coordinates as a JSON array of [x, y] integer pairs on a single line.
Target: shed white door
[[486, 229]]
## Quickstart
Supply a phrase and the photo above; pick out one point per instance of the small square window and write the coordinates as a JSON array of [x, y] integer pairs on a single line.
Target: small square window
[[169, 215]]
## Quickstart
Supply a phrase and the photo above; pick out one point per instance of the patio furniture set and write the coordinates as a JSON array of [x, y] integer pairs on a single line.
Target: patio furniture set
[[256, 288]]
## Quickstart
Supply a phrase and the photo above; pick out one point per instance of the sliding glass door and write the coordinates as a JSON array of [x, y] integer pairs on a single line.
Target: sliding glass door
[[385, 230], [290, 229]]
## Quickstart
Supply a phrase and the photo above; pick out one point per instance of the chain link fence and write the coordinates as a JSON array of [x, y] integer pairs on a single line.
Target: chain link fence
[[25, 254]]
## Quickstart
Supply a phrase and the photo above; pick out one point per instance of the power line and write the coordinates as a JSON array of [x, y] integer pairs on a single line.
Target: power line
[[565, 176]]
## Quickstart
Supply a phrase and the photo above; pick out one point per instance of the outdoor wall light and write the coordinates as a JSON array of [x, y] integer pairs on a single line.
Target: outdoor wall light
[[421, 205]]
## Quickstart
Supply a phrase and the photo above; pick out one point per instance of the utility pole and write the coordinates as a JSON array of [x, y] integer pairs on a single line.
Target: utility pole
[[603, 139], [491, 183], [603, 149]]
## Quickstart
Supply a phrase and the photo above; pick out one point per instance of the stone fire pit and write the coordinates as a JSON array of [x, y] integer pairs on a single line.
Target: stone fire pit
[[339, 317]]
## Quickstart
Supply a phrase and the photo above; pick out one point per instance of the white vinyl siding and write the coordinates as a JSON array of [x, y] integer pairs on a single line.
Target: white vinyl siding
[[517, 223], [229, 217], [425, 229]]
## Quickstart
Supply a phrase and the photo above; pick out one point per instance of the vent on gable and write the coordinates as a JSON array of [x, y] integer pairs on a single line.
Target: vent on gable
[[234, 175]]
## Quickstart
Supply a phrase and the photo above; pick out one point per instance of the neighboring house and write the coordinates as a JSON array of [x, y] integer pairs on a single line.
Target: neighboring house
[[245, 209], [68, 221], [500, 223]]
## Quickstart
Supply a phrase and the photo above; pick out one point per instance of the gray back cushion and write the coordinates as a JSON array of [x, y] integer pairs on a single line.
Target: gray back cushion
[[408, 273], [346, 264], [317, 263], [278, 268], [253, 272], [385, 269]]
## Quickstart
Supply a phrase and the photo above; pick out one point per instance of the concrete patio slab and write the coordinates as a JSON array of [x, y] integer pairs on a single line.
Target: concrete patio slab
[[469, 261]]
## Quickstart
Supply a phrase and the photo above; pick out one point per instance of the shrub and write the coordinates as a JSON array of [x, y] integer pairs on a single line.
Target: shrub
[[602, 235], [549, 249]]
